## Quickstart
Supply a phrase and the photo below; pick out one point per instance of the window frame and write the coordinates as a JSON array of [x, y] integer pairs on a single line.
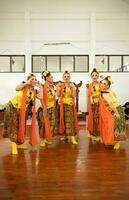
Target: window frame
[[108, 60], [60, 70], [10, 71]]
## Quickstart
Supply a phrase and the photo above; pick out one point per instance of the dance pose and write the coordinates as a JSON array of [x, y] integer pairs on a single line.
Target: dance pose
[[112, 119], [16, 114]]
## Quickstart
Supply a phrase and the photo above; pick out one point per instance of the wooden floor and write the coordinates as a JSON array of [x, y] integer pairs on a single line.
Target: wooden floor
[[62, 171]]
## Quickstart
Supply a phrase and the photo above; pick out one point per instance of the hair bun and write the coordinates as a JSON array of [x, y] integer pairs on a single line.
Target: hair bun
[[94, 70], [66, 72]]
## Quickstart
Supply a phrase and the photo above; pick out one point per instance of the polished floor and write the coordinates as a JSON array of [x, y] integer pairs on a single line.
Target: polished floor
[[62, 171]]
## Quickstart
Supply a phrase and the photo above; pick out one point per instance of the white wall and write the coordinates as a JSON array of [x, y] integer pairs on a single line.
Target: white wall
[[91, 26]]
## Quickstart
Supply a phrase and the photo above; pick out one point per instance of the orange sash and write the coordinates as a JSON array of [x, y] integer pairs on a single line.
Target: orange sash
[[106, 124], [48, 132], [75, 116], [62, 127], [33, 137], [90, 116], [21, 132]]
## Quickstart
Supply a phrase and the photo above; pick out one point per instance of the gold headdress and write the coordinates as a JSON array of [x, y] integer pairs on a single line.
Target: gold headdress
[[29, 76], [109, 78], [45, 73]]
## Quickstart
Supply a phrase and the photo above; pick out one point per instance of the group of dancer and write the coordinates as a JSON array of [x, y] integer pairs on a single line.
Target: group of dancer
[[57, 112], [106, 119]]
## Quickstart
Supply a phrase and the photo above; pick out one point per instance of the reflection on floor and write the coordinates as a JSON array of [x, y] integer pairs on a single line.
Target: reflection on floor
[[62, 171]]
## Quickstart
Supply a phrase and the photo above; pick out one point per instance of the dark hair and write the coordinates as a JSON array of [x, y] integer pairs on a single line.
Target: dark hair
[[94, 70], [126, 104], [45, 74], [66, 72]]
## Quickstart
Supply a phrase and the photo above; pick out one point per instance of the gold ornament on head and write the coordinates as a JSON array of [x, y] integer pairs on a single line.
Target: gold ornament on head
[[109, 78], [29, 75], [45, 73]]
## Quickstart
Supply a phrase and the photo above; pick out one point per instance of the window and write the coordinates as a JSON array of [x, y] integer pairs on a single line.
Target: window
[[112, 63], [53, 63], [12, 63], [115, 64], [81, 63], [67, 63], [101, 63], [17, 64], [4, 64], [60, 63], [126, 63], [38, 63]]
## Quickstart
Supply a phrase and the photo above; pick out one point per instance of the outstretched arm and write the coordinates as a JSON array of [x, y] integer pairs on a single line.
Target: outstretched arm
[[22, 85]]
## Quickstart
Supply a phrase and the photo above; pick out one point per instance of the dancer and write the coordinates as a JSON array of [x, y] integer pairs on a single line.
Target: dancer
[[68, 123], [16, 114], [112, 119], [93, 93], [46, 112]]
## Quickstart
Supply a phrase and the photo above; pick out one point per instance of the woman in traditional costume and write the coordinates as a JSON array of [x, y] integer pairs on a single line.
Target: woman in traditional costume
[[93, 93], [16, 114], [112, 119], [68, 122], [46, 112]]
